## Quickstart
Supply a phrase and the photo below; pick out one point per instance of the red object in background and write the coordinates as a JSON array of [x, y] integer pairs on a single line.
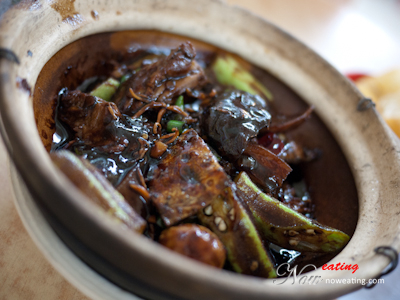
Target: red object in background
[[356, 76]]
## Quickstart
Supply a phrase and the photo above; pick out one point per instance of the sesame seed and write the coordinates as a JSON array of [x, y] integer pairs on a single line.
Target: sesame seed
[[220, 224], [231, 214], [310, 231], [208, 211]]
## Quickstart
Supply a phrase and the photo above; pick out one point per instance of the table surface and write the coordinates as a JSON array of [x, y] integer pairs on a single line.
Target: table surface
[[353, 35]]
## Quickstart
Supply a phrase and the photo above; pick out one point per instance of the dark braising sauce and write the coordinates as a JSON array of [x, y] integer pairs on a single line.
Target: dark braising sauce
[[191, 143]]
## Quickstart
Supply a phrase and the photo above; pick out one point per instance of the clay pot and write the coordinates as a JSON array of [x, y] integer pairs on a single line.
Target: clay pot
[[35, 31]]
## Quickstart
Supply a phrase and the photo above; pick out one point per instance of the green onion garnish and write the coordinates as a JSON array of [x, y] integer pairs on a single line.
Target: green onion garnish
[[125, 77], [179, 102], [175, 124], [106, 90]]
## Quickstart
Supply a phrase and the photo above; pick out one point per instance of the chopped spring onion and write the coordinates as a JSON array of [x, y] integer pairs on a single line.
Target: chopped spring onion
[[125, 77], [106, 90], [179, 102], [230, 71], [175, 124]]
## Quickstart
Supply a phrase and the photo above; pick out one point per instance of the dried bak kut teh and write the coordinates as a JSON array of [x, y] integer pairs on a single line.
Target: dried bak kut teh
[[204, 153]]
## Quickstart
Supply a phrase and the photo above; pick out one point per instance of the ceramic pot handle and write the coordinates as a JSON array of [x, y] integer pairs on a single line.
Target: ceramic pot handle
[[394, 259]]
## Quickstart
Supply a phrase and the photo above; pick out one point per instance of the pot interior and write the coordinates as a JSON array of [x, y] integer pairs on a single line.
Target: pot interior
[[329, 178]]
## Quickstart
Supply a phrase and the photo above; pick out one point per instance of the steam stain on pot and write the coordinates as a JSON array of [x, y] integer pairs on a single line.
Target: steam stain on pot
[[24, 85], [95, 14], [66, 9]]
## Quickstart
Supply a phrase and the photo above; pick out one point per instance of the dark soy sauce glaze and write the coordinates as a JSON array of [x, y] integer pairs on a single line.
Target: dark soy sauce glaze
[[81, 64]]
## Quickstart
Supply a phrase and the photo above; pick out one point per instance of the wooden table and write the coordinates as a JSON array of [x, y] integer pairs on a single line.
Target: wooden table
[[354, 35]]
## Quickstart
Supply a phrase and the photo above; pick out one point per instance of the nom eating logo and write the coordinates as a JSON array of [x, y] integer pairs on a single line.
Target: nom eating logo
[[293, 276]]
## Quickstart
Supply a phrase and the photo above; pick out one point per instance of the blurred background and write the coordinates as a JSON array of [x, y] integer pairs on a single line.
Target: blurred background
[[361, 38]]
